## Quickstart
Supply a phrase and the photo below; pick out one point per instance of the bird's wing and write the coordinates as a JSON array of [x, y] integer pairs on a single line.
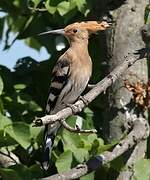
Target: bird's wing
[[59, 79]]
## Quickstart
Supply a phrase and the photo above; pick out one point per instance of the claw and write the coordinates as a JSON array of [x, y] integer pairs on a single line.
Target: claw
[[73, 108], [85, 101]]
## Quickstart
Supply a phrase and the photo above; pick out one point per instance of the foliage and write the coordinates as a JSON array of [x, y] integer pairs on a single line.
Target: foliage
[[23, 92]]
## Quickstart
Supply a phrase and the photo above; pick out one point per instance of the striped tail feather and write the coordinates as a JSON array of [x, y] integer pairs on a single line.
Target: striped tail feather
[[49, 140]]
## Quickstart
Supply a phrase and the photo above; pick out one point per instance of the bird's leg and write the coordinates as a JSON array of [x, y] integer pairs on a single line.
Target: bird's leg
[[85, 101], [73, 107], [91, 86], [80, 166], [76, 130]]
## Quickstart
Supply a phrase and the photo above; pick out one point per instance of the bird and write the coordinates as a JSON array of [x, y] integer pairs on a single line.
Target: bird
[[70, 75]]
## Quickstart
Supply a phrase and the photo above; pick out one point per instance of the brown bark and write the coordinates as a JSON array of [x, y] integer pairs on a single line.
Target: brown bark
[[140, 131], [124, 38]]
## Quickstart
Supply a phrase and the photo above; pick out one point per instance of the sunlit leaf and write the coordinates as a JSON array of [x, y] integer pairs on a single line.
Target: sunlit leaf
[[19, 86], [73, 142], [81, 154], [4, 122], [88, 176], [63, 7], [142, 169], [64, 161], [51, 9]]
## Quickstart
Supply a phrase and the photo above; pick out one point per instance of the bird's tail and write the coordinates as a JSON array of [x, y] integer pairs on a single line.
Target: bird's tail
[[47, 151], [49, 137]]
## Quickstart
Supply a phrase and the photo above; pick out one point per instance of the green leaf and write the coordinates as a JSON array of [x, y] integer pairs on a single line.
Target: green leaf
[[9, 174], [117, 163], [36, 171], [6, 140], [21, 172], [147, 14], [142, 169], [20, 132], [36, 2], [4, 121], [64, 161], [63, 8], [19, 86], [1, 106], [2, 20], [106, 147], [1, 85], [81, 154], [88, 176], [51, 9], [82, 6], [75, 142], [35, 131], [33, 43]]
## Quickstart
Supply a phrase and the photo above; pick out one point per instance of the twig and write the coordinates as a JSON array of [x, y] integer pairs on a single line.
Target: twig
[[139, 133], [37, 9], [77, 130], [92, 94], [9, 157]]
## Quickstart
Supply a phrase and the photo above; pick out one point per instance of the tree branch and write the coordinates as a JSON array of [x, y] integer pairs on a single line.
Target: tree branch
[[8, 159], [37, 9], [77, 129], [140, 131], [100, 87]]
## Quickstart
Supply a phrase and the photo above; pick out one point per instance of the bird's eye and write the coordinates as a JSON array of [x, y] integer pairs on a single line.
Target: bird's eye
[[75, 30]]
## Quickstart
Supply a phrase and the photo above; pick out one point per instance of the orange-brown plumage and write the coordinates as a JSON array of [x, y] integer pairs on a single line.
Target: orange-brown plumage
[[70, 74]]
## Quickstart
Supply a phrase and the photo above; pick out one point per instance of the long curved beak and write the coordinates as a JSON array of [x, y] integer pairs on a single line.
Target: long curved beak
[[58, 31]]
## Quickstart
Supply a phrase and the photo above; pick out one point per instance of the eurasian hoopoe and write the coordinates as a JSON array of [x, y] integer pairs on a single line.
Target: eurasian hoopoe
[[70, 75]]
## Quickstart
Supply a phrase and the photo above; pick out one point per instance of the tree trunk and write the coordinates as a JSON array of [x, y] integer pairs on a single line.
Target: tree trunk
[[122, 39]]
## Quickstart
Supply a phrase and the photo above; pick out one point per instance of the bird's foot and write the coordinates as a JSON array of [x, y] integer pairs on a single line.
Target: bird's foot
[[85, 101], [73, 107], [81, 166]]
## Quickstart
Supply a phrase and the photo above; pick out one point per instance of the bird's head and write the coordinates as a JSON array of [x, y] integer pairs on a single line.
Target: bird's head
[[80, 30]]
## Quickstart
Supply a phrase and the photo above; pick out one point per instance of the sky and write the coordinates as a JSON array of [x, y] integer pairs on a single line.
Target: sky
[[18, 50]]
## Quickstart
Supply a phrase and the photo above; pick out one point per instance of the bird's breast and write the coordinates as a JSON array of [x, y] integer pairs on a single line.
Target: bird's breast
[[80, 73]]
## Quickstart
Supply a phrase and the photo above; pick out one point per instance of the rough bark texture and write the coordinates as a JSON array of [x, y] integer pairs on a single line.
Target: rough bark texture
[[140, 131], [121, 40], [124, 38]]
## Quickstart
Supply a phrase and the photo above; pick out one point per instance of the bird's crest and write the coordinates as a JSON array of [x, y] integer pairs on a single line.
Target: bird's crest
[[91, 26]]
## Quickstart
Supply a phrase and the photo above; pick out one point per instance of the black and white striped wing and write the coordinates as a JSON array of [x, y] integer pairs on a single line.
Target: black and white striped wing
[[59, 80]]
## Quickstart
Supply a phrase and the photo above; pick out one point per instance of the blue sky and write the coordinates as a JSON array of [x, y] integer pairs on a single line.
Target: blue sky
[[18, 50]]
